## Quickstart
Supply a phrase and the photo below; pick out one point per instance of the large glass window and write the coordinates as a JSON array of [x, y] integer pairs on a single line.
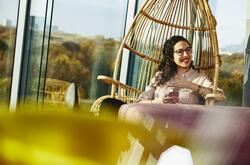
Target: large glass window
[[232, 43], [84, 41], [35, 49], [8, 17], [134, 61]]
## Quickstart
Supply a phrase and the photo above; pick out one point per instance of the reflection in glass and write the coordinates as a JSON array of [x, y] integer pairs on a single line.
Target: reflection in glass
[[8, 17], [84, 43], [35, 51]]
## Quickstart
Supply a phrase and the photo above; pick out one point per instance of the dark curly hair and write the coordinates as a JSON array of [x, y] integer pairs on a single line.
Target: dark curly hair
[[167, 64]]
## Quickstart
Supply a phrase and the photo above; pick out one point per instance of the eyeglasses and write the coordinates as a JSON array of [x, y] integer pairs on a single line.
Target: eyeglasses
[[180, 52]]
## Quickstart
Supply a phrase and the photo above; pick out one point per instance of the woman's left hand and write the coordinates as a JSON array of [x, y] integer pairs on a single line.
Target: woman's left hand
[[183, 84]]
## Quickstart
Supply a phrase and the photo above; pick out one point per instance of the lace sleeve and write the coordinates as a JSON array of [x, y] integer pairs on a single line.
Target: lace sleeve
[[148, 94]]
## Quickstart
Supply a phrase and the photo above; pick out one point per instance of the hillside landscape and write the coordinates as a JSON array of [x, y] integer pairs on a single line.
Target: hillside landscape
[[74, 58], [231, 78]]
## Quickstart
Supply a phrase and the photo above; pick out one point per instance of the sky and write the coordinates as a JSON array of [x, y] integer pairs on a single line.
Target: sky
[[78, 16], [82, 19], [231, 21]]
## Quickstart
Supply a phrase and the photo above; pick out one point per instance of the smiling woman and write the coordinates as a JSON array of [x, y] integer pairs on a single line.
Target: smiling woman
[[176, 80]]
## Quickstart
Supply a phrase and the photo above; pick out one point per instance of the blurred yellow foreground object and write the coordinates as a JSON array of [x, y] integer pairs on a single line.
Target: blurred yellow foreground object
[[60, 138]]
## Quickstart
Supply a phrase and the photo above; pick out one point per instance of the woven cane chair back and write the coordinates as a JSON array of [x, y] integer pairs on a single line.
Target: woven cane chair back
[[156, 22]]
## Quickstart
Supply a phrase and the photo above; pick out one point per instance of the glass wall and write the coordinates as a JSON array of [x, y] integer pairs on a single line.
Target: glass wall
[[8, 18], [134, 61], [85, 38], [74, 41], [35, 51], [232, 43]]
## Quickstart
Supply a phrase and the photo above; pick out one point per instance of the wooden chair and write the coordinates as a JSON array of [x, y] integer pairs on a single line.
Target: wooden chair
[[157, 21], [55, 91]]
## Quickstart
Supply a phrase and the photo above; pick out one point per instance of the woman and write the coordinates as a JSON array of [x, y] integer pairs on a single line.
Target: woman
[[176, 81]]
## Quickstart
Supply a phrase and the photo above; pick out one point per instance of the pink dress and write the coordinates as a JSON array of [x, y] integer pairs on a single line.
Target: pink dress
[[186, 96]]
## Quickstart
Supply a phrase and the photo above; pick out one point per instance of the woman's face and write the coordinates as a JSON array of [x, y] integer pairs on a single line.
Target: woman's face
[[182, 54]]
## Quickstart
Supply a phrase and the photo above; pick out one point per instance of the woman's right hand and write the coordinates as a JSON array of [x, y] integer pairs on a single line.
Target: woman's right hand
[[170, 99]]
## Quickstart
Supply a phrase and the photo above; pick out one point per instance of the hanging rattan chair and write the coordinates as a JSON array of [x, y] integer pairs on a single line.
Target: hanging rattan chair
[[156, 22]]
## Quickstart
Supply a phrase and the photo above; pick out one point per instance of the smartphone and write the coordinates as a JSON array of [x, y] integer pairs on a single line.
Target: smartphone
[[171, 94]]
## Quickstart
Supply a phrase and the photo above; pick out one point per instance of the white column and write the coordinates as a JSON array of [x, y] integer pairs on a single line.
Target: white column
[[18, 55]]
